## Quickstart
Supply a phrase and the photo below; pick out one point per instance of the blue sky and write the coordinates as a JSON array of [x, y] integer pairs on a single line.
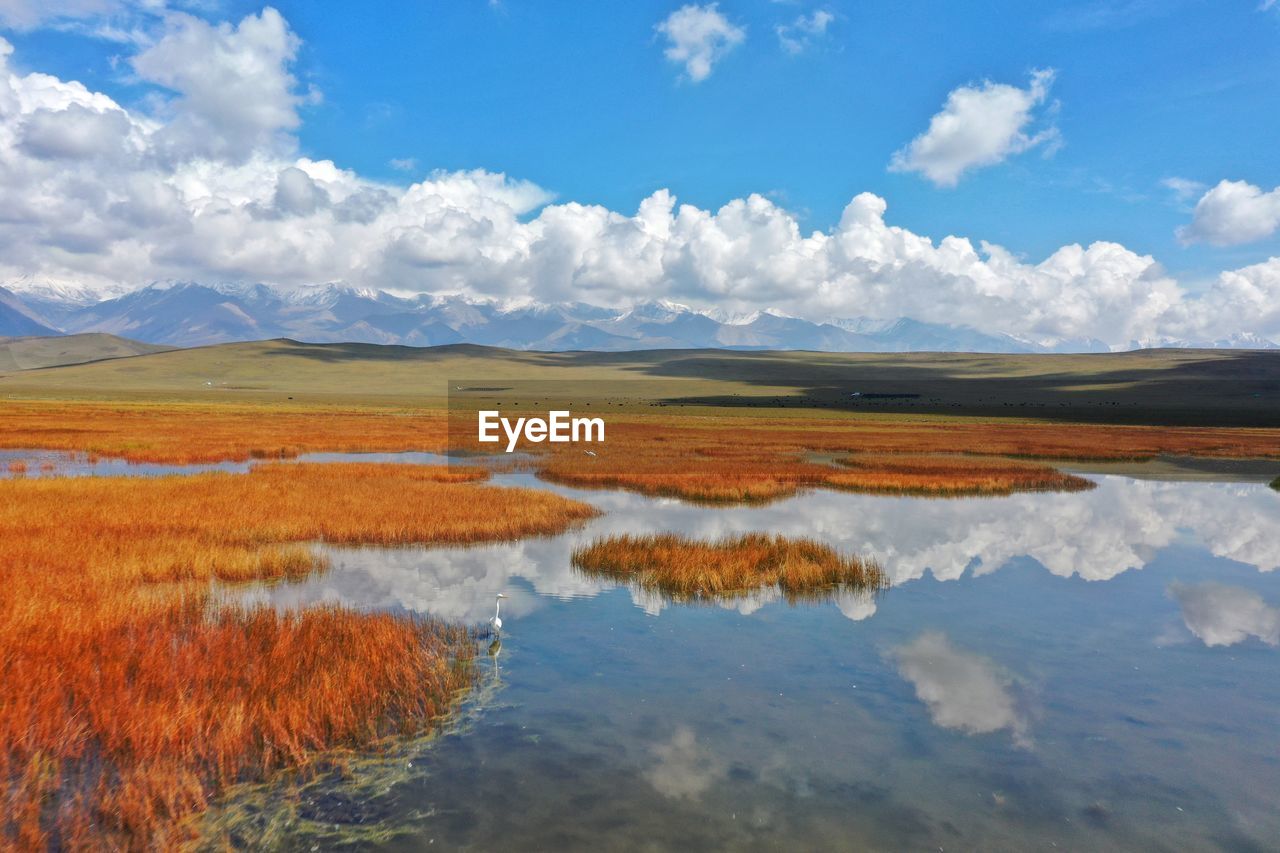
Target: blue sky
[[576, 96], [581, 99]]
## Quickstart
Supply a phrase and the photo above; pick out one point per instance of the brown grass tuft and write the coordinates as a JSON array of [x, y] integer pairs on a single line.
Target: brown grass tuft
[[686, 568]]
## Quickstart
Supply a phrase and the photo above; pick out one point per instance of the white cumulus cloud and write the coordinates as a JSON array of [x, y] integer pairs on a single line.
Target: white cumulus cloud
[[1233, 212], [978, 126], [799, 35], [207, 187], [698, 37], [234, 92]]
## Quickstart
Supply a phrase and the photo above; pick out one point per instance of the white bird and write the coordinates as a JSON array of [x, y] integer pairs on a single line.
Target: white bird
[[496, 622], [589, 452]]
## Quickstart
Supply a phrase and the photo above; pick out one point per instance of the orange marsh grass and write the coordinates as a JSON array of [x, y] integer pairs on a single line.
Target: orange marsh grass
[[712, 458], [720, 459], [720, 474], [947, 476], [131, 698], [676, 436], [189, 432], [685, 568], [186, 433]]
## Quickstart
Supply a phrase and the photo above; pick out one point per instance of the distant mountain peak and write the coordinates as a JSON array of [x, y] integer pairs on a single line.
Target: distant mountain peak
[[188, 313], [43, 289], [658, 310]]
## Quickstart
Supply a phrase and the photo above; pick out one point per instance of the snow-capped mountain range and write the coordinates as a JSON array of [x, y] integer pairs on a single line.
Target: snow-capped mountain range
[[192, 314]]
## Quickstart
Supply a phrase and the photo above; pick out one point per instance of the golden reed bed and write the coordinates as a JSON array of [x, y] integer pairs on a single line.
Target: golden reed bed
[[708, 458], [131, 698], [687, 569], [742, 475], [187, 432], [738, 459]]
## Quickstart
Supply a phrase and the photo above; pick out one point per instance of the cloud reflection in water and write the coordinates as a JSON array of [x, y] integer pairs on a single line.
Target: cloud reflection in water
[[962, 690], [1223, 615], [684, 769], [1096, 535]]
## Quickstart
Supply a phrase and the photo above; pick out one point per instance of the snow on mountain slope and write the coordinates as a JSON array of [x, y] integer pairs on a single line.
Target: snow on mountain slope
[[191, 314]]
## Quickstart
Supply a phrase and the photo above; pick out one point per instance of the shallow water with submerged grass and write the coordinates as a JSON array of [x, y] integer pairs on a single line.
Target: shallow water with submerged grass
[[129, 700], [1093, 669]]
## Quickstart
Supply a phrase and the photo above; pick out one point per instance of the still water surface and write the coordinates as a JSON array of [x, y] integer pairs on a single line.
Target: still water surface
[[1087, 671], [1095, 670]]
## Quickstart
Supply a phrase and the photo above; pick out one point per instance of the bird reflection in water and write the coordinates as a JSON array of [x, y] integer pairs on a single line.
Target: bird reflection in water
[[495, 649]]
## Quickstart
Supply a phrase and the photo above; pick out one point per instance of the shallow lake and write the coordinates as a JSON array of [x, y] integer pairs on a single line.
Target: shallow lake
[[1092, 670]]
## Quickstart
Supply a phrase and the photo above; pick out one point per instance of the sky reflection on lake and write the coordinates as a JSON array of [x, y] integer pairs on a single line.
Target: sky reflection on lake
[[1095, 535], [1095, 669]]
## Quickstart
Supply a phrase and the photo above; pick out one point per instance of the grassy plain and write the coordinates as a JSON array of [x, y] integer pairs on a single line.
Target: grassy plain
[[37, 352], [744, 425], [184, 433], [1165, 387], [722, 457]]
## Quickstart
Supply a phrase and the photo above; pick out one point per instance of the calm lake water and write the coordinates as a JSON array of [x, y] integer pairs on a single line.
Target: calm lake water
[[1093, 670], [1088, 671]]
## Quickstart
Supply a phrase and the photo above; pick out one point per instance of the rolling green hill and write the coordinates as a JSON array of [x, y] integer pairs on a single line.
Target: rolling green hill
[[33, 353], [1210, 387]]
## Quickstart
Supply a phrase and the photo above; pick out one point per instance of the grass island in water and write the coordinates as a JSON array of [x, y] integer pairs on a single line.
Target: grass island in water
[[687, 569]]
